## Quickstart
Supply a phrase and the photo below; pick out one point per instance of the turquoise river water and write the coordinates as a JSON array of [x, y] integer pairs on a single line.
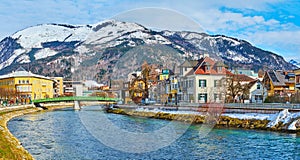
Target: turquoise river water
[[62, 134]]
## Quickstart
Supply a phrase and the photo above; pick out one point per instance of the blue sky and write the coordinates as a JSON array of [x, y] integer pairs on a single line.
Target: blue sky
[[272, 25]]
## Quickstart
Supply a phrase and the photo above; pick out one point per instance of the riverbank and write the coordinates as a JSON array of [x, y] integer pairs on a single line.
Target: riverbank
[[10, 147], [282, 121]]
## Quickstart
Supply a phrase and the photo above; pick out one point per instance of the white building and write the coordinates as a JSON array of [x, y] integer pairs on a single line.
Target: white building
[[258, 92], [202, 81]]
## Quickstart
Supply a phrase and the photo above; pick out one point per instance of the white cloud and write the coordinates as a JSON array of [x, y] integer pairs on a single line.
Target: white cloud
[[285, 43]]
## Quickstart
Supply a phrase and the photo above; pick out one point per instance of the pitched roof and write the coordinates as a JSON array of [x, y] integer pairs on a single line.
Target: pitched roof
[[253, 82], [243, 77], [213, 67], [191, 63], [278, 78], [194, 64]]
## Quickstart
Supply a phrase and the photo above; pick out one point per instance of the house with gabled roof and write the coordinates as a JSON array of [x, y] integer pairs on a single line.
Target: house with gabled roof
[[201, 81], [279, 82], [258, 92]]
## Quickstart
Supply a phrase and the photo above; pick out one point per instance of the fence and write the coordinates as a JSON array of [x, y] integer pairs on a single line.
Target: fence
[[248, 105]]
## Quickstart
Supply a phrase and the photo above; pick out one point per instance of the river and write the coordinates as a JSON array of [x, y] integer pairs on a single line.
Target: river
[[66, 134]]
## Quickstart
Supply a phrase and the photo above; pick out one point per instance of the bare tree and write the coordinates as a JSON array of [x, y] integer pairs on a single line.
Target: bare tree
[[233, 87]]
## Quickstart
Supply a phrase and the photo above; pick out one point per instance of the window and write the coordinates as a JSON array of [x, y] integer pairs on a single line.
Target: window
[[27, 81], [202, 97], [202, 83], [207, 68], [219, 69], [19, 81], [216, 97], [191, 83], [258, 86], [185, 68], [216, 83], [258, 97]]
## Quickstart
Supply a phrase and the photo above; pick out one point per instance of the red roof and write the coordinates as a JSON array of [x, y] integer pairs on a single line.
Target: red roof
[[213, 68]]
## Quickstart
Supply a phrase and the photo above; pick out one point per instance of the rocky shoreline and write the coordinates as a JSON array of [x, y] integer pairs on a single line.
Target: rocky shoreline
[[217, 121]]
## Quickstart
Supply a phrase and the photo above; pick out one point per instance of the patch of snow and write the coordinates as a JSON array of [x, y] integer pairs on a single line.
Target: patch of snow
[[32, 37], [141, 109], [284, 116], [231, 52], [278, 118], [258, 116], [112, 31], [11, 59], [91, 83], [234, 42], [193, 35], [292, 126], [24, 59], [168, 33], [43, 53], [82, 49]]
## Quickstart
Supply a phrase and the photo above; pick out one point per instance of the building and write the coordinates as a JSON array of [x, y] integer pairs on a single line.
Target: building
[[237, 87], [246, 72], [58, 86], [201, 81], [73, 88], [258, 93], [297, 79], [186, 80], [280, 83], [24, 86]]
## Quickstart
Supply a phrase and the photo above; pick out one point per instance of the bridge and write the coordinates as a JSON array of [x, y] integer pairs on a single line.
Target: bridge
[[76, 100]]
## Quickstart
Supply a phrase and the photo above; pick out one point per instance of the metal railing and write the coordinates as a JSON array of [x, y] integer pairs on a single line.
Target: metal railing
[[76, 98], [247, 105]]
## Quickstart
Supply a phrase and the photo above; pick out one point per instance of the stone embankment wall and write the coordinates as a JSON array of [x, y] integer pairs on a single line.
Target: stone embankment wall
[[218, 121]]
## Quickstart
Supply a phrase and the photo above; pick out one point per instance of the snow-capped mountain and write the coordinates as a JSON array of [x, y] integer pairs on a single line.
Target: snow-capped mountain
[[295, 63], [51, 48]]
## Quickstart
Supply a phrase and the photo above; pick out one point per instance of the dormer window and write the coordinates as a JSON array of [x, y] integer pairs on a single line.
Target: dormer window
[[219, 66], [207, 67], [219, 69]]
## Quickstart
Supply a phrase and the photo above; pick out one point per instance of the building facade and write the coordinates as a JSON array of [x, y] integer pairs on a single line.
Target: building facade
[[58, 86], [280, 83], [202, 81], [23, 86], [258, 93]]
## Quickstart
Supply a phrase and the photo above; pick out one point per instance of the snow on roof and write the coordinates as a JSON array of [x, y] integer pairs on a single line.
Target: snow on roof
[[21, 72]]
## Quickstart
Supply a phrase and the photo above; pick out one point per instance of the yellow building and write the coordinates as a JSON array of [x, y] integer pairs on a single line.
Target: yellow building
[[279, 83], [23, 86]]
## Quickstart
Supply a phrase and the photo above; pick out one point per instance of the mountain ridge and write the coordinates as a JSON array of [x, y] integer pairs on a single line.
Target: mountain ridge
[[103, 43]]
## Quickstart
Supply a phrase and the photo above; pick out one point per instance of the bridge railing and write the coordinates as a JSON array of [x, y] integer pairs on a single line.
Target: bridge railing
[[76, 98]]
